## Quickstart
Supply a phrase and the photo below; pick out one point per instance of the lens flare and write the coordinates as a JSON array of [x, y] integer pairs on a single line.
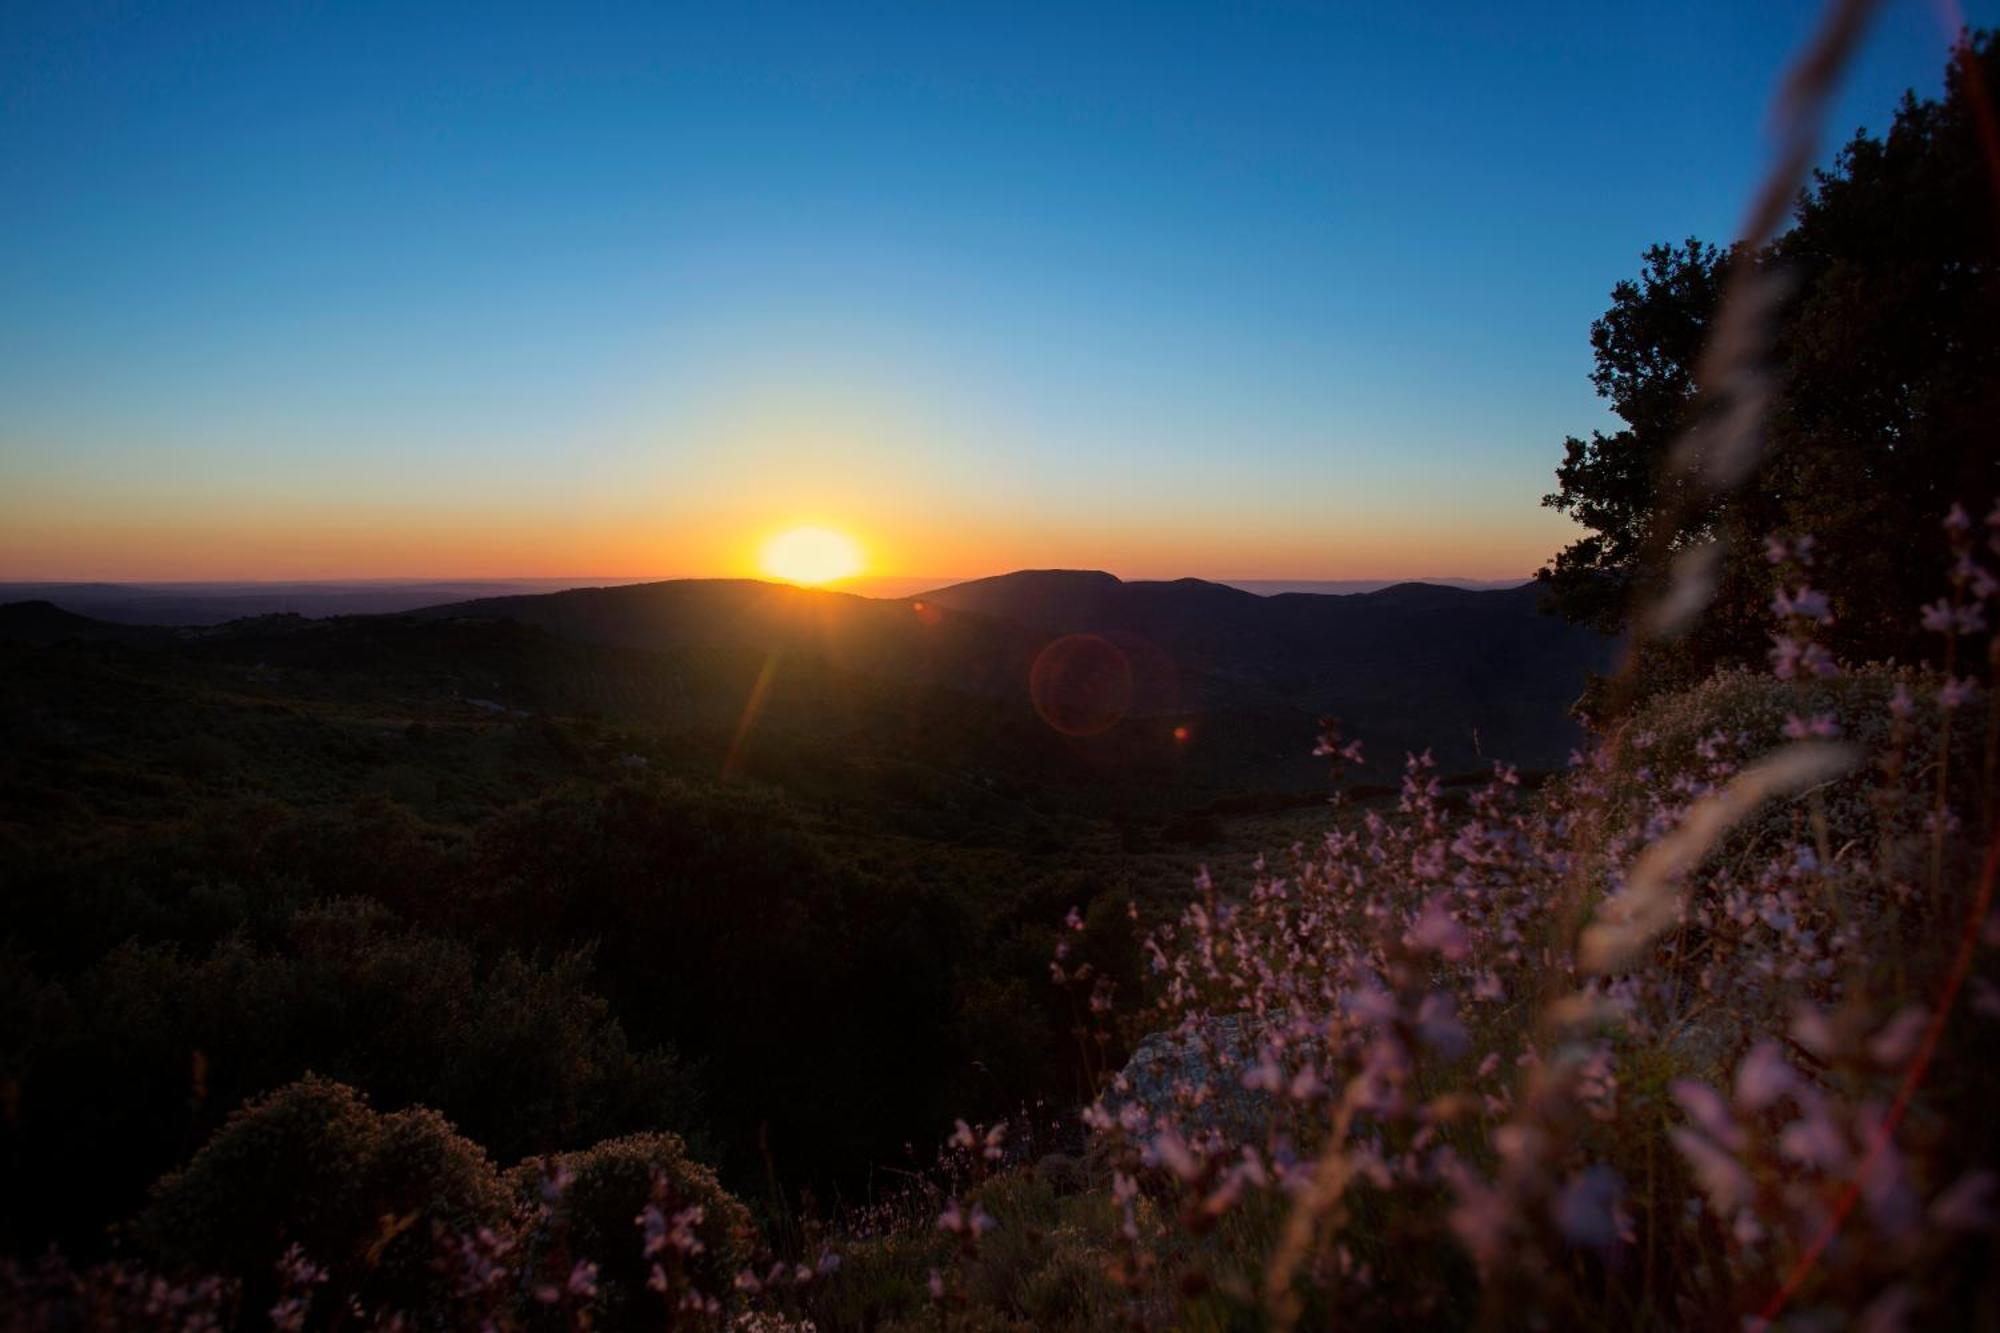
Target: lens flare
[[1081, 685]]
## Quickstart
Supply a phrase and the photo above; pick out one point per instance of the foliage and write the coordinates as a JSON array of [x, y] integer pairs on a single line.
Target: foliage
[[635, 1205], [1888, 382], [1693, 1036], [313, 1165], [1686, 1038], [1645, 347], [129, 1065]]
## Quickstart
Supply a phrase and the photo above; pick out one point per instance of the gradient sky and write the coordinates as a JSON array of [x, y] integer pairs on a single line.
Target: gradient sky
[[1244, 291]]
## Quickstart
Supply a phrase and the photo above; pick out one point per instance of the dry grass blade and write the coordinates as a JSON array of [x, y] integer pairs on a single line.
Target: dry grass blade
[[1649, 903], [1696, 571], [1722, 449]]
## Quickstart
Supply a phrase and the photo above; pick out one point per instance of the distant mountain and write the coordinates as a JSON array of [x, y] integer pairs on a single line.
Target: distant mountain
[[1272, 587], [219, 603], [747, 621], [41, 623], [1074, 675], [1471, 674]]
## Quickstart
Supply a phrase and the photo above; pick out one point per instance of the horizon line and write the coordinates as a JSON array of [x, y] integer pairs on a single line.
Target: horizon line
[[579, 580]]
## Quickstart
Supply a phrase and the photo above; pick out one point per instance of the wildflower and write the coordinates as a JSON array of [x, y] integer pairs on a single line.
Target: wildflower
[[1885, 1183], [1264, 1076], [1171, 1151], [1721, 1177], [1584, 1209], [1811, 1030], [1893, 1046], [1482, 1220], [1955, 693], [1707, 1109], [1815, 1140], [1371, 1004], [1438, 1025], [652, 1224], [556, 1179], [1438, 932], [1967, 1205], [1806, 603], [1763, 1077], [1785, 654]]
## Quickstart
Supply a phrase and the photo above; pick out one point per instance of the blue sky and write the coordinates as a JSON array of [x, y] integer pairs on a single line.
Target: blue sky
[[1287, 290]]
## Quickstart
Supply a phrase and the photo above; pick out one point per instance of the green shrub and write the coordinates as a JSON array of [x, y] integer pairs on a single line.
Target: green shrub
[[596, 1216], [313, 1165], [123, 1071]]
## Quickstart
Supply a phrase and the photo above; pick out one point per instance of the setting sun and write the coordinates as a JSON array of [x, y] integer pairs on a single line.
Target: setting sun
[[811, 555]]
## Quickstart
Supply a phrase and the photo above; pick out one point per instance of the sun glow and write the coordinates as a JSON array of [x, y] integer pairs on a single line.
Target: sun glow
[[811, 555]]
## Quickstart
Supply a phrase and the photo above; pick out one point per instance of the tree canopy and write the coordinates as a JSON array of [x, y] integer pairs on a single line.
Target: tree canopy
[[1887, 405]]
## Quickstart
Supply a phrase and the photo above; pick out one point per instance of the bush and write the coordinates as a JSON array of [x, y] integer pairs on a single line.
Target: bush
[[597, 1205], [312, 1165], [126, 1069]]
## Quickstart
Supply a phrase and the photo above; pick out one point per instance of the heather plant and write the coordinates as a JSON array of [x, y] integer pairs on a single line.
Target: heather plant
[[51, 1294], [1658, 1045], [660, 1233]]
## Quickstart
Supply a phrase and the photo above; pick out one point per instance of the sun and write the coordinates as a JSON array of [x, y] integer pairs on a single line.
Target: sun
[[811, 555]]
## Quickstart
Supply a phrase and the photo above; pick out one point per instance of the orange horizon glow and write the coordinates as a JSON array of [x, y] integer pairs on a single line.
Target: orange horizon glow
[[612, 541], [363, 569]]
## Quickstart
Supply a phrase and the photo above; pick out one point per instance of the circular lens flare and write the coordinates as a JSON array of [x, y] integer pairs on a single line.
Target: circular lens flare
[[1081, 685], [811, 555]]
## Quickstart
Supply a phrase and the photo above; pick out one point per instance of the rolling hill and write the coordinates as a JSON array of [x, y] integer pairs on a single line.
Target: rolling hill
[[1471, 674]]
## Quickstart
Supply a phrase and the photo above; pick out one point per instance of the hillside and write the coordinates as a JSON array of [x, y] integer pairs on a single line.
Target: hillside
[[1472, 675], [854, 801]]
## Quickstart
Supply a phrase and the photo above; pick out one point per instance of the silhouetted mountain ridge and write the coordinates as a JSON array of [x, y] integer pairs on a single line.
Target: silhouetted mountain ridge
[[1210, 686], [1469, 673]]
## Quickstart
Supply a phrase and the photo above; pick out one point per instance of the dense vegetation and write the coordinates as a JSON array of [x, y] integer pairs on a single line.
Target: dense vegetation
[[1884, 385], [233, 861], [452, 971]]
